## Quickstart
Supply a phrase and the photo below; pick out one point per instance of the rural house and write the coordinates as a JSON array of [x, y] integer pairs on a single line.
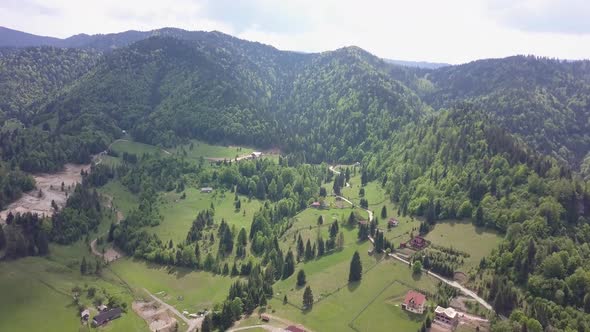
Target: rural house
[[392, 222], [418, 242], [414, 302], [446, 317], [106, 316], [206, 190], [316, 205], [85, 314], [256, 154]]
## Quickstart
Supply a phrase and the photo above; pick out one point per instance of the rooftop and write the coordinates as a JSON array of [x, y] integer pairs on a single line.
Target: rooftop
[[414, 298], [449, 312]]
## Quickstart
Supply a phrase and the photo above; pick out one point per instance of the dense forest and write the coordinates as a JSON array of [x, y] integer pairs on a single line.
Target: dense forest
[[501, 142]]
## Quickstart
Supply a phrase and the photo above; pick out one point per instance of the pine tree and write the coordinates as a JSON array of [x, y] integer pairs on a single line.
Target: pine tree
[[301, 278], [307, 298], [309, 252], [479, 220], [383, 212], [321, 247], [300, 248], [207, 325], [356, 268], [83, 266], [340, 241], [289, 266], [285, 300]]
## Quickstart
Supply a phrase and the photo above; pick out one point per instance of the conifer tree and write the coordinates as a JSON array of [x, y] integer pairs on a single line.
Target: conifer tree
[[356, 268], [301, 278]]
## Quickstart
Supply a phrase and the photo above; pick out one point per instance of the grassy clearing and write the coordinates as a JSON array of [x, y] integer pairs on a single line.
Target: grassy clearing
[[180, 213], [477, 241], [337, 301], [183, 288], [201, 149], [123, 199], [367, 303], [135, 148]]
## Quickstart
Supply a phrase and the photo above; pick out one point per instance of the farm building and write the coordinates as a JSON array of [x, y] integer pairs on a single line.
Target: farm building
[[414, 302], [206, 190], [447, 317], [256, 154], [85, 314], [392, 222], [265, 317], [102, 307], [418, 242], [106, 316], [316, 205]]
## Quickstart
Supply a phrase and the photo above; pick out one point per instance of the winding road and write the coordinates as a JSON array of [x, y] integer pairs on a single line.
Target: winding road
[[451, 283]]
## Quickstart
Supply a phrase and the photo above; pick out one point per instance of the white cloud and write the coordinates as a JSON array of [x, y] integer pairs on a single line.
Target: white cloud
[[446, 31]]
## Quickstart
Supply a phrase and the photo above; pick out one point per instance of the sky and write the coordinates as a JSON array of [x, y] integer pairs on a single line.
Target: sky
[[450, 31]]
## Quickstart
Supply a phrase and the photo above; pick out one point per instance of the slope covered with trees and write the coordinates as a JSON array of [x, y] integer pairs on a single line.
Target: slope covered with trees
[[545, 101]]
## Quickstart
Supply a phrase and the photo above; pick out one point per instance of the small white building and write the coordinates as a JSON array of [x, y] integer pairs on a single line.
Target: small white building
[[206, 190], [85, 314], [256, 154]]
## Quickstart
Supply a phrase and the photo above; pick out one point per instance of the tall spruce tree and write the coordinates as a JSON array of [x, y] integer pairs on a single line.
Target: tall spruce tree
[[356, 268], [301, 278], [307, 298]]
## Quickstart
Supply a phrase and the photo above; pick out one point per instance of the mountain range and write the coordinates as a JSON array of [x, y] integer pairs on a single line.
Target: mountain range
[[265, 95]]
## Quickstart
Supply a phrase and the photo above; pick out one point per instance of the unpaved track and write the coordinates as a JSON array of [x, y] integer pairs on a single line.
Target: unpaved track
[[333, 170], [193, 324], [451, 283]]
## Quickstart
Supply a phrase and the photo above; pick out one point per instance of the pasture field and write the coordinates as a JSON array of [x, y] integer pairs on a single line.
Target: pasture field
[[179, 213], [201, 149], [463, 235], [337, 302], [133, 147], [182, 288], [367, 305], [123, 199], [37, 293]]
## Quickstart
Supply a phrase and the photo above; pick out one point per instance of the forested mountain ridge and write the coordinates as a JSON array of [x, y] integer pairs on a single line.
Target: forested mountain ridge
[[163, 90], [545, 101], [29, 75]]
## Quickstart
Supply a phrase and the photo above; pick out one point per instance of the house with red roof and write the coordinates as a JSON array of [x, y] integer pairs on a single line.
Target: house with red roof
[[414, 302], [418, 242]]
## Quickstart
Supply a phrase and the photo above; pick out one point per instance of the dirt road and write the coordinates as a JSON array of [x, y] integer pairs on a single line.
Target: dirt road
[[193, 324], [451, 283], [333, 170]]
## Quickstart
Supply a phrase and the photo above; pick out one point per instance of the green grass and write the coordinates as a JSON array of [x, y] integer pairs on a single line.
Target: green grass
[[36, 293], [205, 150], [476, 241], [123, 199], [369, 302], [199, 289], [179, 213], [340, 302], [135, 148]]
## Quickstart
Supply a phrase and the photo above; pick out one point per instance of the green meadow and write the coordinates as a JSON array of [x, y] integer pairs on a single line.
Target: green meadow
[[463, 235]]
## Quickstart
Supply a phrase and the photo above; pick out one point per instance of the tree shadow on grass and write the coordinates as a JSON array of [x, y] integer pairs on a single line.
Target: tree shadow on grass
[[352, 286], [417, 276]]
